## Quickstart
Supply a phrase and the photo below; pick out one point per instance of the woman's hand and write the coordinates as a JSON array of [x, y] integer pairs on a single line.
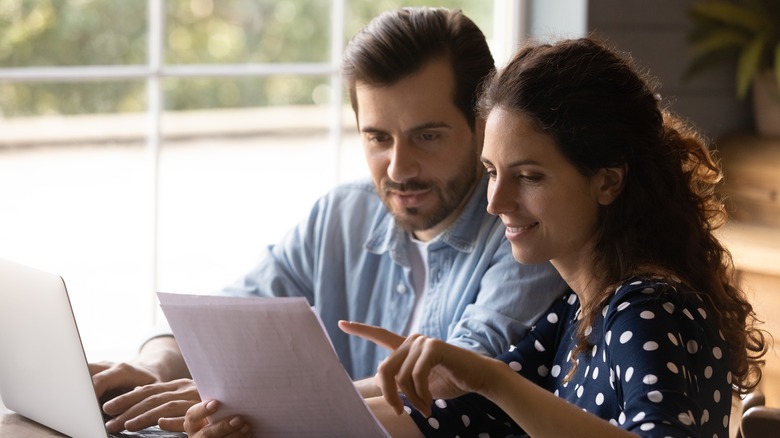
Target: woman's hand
[[423, 368], [197, 425]]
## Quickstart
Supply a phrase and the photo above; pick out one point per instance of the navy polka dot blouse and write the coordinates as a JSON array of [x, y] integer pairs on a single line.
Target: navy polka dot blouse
[[658, 367]]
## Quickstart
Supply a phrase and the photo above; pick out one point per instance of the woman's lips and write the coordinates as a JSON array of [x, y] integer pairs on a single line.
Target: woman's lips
[[513, 231]]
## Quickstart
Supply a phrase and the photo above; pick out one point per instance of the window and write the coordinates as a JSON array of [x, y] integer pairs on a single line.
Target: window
[[160, 145]]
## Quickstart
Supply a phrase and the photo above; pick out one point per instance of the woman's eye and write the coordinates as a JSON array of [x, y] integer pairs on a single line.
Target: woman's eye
[[529, 177]]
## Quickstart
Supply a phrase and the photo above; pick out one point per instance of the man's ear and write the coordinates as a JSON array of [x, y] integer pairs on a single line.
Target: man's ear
[[609, 183]]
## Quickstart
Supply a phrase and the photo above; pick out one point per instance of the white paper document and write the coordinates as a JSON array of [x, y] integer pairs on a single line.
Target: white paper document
[[270, 361]]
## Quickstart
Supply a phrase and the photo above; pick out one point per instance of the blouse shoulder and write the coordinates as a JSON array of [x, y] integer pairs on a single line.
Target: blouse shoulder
[[665, 292]]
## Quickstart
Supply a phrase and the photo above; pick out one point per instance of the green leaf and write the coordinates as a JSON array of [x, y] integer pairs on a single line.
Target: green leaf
[[708, 61], [730, 14], [715, 42], [748, 64]]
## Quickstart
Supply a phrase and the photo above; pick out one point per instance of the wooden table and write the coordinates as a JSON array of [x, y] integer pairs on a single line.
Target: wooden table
[[16, 426]]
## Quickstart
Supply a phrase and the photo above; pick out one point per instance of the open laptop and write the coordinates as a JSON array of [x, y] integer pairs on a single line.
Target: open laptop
[[44, 374]]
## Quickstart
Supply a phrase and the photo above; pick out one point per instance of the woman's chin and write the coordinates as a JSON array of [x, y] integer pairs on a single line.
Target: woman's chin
[[525, 258]]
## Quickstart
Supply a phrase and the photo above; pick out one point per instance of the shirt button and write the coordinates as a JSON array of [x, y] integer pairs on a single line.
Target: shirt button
[[401, 289]]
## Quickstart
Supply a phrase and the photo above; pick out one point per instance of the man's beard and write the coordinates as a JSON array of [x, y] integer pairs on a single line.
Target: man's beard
[[448, 198]]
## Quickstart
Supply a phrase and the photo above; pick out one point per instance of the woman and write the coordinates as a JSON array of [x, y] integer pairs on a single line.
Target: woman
[[588, 171]]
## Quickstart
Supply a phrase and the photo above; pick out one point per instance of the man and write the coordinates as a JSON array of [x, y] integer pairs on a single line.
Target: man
[[413, 250]]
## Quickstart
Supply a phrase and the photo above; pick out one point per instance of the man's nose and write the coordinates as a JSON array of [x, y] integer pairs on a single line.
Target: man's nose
[[403, 164]]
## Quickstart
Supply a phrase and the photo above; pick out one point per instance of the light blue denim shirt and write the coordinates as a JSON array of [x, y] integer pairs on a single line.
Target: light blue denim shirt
[[350, 260]]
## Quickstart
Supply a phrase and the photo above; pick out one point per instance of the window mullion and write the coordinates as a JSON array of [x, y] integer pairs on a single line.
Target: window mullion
[[335, 102], [154, 108]]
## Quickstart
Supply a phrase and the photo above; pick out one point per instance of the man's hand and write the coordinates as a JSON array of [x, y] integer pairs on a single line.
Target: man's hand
[[163, 404], [197, 425], [112, 379], [152, 389]]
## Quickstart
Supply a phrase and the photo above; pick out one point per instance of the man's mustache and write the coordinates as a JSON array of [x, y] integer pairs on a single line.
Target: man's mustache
[[405, 186]]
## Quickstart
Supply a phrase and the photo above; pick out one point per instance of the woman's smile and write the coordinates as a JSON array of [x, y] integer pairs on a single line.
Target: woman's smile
[[514, 232]]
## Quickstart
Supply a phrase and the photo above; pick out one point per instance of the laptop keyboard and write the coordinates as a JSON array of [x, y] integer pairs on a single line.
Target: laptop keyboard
[[150, 432]]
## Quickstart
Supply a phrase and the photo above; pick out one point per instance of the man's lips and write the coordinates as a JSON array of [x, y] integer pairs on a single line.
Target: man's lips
[[409, 198]]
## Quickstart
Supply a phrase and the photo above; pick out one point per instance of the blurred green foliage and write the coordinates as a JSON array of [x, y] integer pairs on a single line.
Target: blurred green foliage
[[55, 33]]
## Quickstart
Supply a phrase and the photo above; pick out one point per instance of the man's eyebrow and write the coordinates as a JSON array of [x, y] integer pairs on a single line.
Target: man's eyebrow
[[430, 125], [421, 127], [370, 130]]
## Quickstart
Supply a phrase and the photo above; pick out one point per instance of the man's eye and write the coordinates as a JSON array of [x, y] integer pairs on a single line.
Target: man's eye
[[429, 136], [377, 138]]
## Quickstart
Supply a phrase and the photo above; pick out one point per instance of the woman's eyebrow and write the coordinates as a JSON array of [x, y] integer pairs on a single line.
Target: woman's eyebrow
[[517, 163]]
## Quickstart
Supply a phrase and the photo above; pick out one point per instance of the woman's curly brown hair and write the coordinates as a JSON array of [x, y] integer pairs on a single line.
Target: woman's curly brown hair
[[603, 113]]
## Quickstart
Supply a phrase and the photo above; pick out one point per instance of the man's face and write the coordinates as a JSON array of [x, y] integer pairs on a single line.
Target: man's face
[[421, 152]]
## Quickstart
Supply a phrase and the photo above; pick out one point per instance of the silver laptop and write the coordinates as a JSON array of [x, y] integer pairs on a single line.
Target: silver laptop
[[44, 374]]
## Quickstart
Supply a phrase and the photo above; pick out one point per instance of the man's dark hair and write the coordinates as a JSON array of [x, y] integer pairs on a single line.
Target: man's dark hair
[[399, 43]]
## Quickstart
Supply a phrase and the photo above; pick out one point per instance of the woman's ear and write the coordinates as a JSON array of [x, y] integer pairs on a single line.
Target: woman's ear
[[609, 183]]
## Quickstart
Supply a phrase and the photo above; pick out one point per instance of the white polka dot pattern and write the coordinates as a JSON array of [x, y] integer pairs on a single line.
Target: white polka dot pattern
[[657, 366]]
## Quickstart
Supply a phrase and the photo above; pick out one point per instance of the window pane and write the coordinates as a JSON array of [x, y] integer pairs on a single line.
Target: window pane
[[234, 31], [75, 198], [39, 98], [237, 172], [224, 197], [198, 93], [58, 33]]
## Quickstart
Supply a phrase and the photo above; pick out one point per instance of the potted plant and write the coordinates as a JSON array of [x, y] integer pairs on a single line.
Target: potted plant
[[748, 33]]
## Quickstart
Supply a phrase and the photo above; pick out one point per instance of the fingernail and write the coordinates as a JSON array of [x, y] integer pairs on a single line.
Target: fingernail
[[211, 406], [235, 422]]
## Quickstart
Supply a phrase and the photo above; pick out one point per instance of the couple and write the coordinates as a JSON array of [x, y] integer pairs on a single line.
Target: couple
[[587, 171], [413, 250]]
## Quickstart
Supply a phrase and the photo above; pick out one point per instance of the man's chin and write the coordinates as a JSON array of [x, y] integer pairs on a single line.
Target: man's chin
[[416, 223], [415, 219], [410, 223]]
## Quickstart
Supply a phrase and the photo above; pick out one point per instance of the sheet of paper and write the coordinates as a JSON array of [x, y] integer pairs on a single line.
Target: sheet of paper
[[269, 360]]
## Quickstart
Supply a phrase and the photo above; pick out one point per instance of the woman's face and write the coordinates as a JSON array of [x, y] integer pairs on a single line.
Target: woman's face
[[550, 209]]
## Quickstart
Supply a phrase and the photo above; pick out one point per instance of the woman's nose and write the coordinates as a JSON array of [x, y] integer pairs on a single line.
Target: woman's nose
[[500, 198]]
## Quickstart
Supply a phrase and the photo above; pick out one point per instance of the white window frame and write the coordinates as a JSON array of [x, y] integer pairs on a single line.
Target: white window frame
[[509, 27]]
